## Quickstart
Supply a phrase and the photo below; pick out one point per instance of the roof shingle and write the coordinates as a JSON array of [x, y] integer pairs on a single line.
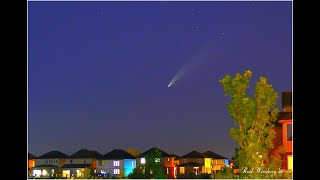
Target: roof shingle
[[84, 153], [163, 153], [118, 154], [53, 155]]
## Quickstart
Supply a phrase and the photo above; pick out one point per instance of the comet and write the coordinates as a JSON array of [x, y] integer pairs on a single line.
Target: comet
[[188, 66]]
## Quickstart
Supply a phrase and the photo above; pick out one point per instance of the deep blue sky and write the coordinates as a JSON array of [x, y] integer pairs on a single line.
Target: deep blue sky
[[98, 71]]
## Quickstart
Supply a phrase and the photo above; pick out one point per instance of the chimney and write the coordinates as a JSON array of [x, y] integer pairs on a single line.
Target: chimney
[[287, 101]]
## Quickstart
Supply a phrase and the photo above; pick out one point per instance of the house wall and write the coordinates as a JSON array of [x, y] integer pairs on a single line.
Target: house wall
[[129, 165], [80, 161], [218, 164], [286, 144], [55, 162], [31, 163], [108, 167], [196, 160]]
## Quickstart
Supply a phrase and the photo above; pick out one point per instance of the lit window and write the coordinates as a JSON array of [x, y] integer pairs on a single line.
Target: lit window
[[289, 132], [167, 170], [157, 160], [116, 163], [103, 172], [182, 170], [116, 171], [132, 163], [196, 170], [151, 172], [290, 162], [143, 160], [100, 162], [168, 159], [44, 172]]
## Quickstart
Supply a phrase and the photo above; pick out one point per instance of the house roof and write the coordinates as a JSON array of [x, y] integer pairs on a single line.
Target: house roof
[[190, 164], [31, 156], [118, 154], [174, 155], [84, 153], [53, 155], [194, 154], [282, 116], [163, 153], [46, 165], [213, 155], [76, 165]]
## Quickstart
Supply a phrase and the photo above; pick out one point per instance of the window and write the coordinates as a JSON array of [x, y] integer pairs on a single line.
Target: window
[[103, 172], [157, 160], [184, 160], [290, 162], [132, 163], [84, 161], [167, 170], [199, 160], [182, 170], [143, 160], [168, 159], [215, 162], [289, 132], [100, 162], [116, 163], [151, 172], [116, 171], [70, 161], [196, 170]]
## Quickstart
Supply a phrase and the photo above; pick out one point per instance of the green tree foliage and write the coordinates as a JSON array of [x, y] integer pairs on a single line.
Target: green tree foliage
[[86, 173], [137, 174], [254, 124], [153, 166]]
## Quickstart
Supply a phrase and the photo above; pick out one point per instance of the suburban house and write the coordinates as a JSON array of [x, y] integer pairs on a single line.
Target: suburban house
[[48, 165], [194, 163], [166, 160], [117, 163], [283, 129], [77, 162], [218, 162], [31, 163]]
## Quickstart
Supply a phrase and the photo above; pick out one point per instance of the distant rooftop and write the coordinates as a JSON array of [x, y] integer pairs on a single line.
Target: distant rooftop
[[53, 155], [84, 153], [118, 154], [163, 153]]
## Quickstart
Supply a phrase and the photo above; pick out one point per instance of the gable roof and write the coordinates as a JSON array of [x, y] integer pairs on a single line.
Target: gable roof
[[53, 155], [194, 154], [282, 116], [163, 153], [174, 155], [84, 153], [213, 155], [31, 156], [118, 154]]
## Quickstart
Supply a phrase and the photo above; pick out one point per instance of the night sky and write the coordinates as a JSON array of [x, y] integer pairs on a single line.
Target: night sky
[[98, 72]]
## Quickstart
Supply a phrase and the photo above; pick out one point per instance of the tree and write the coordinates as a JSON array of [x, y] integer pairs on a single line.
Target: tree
[[86, 173], [153, 165], [254, 124], [137, 174]]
